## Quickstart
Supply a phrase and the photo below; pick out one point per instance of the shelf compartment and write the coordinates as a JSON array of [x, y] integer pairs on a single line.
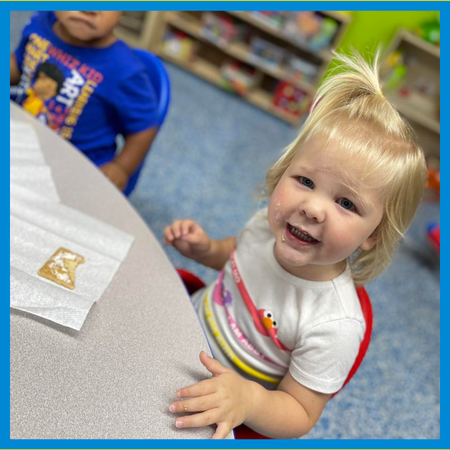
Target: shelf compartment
[[418, 42], [241, 51], [324, 54], [210, 72], [414, 113]]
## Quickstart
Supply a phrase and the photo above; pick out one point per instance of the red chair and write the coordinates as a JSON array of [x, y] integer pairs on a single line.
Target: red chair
[[193, 284]]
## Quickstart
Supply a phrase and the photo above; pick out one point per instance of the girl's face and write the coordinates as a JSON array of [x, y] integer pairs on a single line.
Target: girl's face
[[315, 217]]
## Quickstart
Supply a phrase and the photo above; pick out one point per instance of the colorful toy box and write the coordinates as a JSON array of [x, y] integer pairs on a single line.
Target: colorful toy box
[[300, 69], [222, 29], [275, 19], [179, 45], [290, 99], [237, 77], [267, 52], [311, 29]]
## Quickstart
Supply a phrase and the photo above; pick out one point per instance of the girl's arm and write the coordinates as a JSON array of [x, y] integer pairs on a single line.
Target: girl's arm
[[219, 253], [191, 241], [14, 72], [293, 411], [228, 400]]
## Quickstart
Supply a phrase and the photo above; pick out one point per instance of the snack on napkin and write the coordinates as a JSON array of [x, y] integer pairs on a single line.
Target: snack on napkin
[[60, 268]]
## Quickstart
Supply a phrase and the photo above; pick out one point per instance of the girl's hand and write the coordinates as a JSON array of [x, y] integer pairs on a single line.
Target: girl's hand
[[116, 174], [225, 399], [188, 238]]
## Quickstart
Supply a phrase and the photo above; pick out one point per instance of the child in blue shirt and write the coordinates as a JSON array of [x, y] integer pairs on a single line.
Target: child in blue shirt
[[74, 75]]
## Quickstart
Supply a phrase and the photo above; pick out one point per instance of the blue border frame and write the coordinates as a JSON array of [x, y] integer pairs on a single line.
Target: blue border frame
[[5, 441]]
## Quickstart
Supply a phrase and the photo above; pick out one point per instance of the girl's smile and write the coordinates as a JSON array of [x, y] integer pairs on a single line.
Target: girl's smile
[[299, 236], [320, 214]]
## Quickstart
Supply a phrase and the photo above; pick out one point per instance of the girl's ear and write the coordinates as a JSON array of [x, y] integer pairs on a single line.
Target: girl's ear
[[370, 241]]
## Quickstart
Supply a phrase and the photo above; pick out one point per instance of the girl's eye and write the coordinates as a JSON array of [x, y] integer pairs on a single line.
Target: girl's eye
[[306, 182], [346, 204]]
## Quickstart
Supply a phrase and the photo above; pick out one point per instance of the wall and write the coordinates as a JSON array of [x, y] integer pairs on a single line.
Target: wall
[[369, 28]]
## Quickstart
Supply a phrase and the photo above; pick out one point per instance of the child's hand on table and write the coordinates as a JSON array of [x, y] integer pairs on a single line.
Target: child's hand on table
[[225, 399], [116, 174], [188, 238]]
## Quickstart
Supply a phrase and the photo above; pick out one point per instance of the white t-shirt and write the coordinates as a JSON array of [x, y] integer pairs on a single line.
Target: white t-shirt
[[313, 329]]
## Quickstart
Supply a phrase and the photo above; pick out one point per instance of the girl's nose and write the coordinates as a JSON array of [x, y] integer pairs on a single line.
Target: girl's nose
[[313, 211]]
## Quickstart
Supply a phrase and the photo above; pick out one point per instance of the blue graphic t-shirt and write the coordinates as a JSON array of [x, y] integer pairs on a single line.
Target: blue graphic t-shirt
[[87, 95]]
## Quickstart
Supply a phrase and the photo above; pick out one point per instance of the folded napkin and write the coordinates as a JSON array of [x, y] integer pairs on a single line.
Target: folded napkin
[[35, 178], [27, 163], [61, 260], [38, 229], [24, 143]]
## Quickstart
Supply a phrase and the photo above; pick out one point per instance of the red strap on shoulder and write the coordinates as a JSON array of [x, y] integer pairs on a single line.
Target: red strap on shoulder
[[366, 308]]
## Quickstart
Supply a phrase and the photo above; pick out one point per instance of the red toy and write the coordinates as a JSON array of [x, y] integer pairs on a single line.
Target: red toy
[[290, 98], [433, 180], [434, 235]]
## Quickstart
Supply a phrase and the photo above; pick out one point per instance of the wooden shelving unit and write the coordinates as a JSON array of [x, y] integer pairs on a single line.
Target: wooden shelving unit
[[139, 28], [239, 51], [149, 29], [423, 66], [209, 72], [253, 20]]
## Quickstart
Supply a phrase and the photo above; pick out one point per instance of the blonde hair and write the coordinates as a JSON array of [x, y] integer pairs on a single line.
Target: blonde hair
[[350, 109]]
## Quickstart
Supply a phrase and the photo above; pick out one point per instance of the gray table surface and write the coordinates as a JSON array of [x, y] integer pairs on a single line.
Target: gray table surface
[[116, 377]]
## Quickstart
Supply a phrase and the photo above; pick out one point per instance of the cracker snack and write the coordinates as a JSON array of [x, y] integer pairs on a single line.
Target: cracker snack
[[60, 268]]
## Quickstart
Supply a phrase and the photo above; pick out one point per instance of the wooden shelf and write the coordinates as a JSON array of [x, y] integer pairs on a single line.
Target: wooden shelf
[[141, 29], [415, 113], [418, 42], [213, 51], [240, 51], [324, 54], [211, 73], [419, 109], [338, 15]]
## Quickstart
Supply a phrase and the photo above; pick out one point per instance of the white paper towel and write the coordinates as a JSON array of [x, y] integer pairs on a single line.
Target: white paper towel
[[24, 144], [40, 225], [27, 163], [23, 135], [37, 179], [31, 246], [69, 223]]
